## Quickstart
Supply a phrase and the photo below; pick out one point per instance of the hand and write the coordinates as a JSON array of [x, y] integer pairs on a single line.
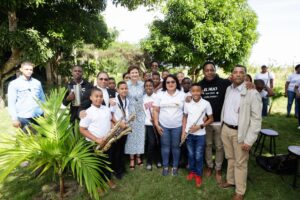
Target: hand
[[71, 96], [285, 94], [183, 136], [16, 124], [194, 128], [123, 125], [82, 114], [160, 130], [112, 102], [100, 140], [246, 147], [250, 85], [188, 99]]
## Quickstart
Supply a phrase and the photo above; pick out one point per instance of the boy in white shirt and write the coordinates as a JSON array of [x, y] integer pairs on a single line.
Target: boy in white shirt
[[96, 124], [153, 150], [193, 129], [120, 110]]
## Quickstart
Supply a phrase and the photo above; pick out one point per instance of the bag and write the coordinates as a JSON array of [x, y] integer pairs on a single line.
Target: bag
[[281, 164]]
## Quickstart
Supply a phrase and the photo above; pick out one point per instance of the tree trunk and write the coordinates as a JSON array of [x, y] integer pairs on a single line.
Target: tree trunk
[[61, 185], [14, 59]]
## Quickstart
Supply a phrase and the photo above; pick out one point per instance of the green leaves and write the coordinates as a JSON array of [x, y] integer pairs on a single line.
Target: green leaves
[[53, 146], [199, 30]]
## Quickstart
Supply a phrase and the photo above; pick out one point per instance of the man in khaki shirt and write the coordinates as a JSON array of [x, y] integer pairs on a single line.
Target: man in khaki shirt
[[241, 118]]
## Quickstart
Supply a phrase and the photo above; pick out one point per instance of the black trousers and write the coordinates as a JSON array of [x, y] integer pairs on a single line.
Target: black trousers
[[153, 145], [117, 156]]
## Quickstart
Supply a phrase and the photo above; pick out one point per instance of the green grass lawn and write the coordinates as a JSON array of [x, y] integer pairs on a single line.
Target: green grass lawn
[[143, 184]]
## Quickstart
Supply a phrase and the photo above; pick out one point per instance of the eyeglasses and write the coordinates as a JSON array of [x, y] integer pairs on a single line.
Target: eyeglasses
[[103, 79], [168, 82]]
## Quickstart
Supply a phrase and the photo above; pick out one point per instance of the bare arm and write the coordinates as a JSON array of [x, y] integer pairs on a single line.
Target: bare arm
[[270, 91], [286, 87], [155, 119], [184, 121], [271, 83], [86, 133]]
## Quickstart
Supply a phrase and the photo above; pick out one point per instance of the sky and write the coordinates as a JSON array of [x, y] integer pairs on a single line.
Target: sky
[[278, 28]]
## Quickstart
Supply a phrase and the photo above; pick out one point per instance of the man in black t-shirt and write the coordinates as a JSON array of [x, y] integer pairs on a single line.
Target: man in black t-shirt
[[214, 89]]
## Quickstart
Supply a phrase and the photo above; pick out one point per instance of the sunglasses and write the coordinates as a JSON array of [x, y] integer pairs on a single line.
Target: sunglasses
[[168, 82], [103, 79]]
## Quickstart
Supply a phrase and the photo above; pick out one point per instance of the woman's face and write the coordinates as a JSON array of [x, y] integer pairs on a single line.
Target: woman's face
[[134, 75], [170, 84]]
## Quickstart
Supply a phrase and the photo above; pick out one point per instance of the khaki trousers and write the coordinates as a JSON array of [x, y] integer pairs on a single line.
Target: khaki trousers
[[237, 160], [213, 136]]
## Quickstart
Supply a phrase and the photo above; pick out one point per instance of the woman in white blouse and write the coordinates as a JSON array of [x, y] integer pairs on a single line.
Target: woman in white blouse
[[168, 114]]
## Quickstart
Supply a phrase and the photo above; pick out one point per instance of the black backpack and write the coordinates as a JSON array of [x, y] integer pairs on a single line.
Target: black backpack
[[280, 164]]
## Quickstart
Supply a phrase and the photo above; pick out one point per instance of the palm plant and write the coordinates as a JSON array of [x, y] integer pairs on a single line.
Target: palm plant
[[54, 147]]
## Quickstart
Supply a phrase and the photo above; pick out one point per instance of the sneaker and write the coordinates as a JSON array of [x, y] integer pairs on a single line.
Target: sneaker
[[298, 127], [190, 176], [158, 165], [174, 171], [198, 181], [165, 171], [149, 167]]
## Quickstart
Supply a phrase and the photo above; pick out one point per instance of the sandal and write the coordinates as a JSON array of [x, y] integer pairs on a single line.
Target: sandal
[[130, 165], [139, 161]]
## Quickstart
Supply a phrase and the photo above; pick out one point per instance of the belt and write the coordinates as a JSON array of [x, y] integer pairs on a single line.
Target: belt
[[231, 126]]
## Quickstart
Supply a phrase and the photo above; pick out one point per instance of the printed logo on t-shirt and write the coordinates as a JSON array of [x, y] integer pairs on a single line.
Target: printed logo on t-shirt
[[210, 93]]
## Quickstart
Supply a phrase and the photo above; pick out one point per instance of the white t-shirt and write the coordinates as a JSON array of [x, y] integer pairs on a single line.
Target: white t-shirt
[[293, 79], [171, 108], [266, 77], [194, 110], [117, 109], [148, 106], [263, 94], [97, 121]]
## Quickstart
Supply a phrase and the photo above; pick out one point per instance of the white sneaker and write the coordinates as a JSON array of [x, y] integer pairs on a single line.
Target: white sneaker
[[149, 167], [298, 127]]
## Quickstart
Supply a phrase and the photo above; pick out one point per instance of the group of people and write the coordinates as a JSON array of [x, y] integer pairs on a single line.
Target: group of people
[[171, 114]]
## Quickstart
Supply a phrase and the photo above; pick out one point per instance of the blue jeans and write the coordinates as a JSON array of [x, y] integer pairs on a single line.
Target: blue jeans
[[291, 96], [195, 145], [170, 140]]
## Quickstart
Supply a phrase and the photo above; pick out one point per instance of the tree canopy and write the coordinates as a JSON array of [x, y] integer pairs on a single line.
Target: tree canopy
[[199, 30]]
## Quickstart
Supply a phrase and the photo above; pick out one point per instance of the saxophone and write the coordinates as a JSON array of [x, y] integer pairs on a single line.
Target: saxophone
[[115, 134]]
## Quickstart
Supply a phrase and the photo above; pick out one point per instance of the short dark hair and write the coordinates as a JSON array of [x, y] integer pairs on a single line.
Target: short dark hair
[[241, 66], [95, 89], [264, 66], [186, 78], [164, 84], [297, 66], [121, 83], [103, 72], [196, 84], [259, 81], [111, 79], [155, 74], [132, 68], [148, 80], [208, 63], [80, 66], [124, 74], [153, 61]]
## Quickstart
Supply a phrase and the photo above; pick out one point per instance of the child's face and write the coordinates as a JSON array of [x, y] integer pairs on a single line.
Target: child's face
[[156, 80], [111, 84], [196, 92], [149, 88], [259, 87], [123, 90], [96, 98]]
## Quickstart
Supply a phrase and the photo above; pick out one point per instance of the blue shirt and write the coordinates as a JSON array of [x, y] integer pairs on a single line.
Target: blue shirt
[[23, 95]]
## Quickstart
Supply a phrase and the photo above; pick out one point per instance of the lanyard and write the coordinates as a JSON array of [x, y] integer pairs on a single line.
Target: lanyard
[[121, 105]]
